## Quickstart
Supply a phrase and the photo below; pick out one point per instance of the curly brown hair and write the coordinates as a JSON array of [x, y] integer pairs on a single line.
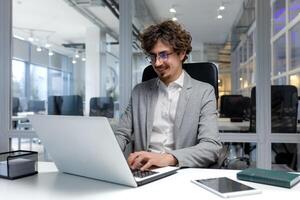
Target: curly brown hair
[[168, 32]]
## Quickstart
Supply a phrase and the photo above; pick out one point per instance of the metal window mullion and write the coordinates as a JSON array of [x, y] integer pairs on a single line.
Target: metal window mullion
[[263, 78]]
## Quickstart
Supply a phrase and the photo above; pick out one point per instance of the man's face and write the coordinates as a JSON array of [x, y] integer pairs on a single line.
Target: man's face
[[166, 63]]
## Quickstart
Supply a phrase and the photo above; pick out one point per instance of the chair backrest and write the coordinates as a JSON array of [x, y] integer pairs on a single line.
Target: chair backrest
[[16, 105], [54, 103], [204, 71], [102, 106], [65, 105], [36, 105], [71, 105], [284, 106], [232, 106]]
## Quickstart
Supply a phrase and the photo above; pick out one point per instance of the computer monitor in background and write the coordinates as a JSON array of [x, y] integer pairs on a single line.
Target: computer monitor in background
[[16, 105], [232, 106], [71, 105]]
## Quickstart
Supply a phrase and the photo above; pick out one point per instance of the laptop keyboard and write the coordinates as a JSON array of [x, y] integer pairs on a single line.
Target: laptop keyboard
[[142, 174]]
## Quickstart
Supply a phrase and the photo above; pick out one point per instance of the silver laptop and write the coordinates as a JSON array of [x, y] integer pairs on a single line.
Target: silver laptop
[[87, 146]]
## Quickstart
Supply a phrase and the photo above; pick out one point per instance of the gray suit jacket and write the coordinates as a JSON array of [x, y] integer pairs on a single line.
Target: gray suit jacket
[[196, 136]]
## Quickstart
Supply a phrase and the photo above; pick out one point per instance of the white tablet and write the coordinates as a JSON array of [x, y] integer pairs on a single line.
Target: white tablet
[[225, 187]]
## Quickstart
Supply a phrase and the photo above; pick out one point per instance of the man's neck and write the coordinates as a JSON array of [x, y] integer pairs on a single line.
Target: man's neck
[[167, 81]]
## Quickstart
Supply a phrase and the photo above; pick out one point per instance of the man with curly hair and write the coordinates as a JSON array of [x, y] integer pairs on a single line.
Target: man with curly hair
[[171, 120]]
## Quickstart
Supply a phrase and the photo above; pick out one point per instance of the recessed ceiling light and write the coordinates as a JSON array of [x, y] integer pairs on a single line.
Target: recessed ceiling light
[[222, 7], [38, 49], [219, 16], [172, 10]]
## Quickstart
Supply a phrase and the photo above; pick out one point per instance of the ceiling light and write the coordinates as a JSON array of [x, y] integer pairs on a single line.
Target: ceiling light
[[174, 18], [219, 16], [172, 10], [83, 59], [74, 61], [50, 53], [38, 49], [30, 39], [47, 45], [222, 7], [76, 55]]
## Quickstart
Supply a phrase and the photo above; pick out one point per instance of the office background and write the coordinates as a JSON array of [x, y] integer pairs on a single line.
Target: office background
[[78, 50]]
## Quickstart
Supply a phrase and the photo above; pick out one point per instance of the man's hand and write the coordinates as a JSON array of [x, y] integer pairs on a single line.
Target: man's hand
[[143, 160]]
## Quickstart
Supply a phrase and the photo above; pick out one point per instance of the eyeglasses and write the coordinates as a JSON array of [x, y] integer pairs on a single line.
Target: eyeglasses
[[163, 56]]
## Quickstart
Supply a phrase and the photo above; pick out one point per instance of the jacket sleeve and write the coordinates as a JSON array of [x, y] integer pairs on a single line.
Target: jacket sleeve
[[124, 129], [208, 145]]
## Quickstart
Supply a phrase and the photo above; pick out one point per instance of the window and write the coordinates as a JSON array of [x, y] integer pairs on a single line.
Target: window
[[279, 56], [18, 78], [279, 12], [294, 9], [38, 82], [294, 43]]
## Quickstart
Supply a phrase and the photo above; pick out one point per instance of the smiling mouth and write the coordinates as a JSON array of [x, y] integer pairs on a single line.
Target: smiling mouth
[[161, 69]]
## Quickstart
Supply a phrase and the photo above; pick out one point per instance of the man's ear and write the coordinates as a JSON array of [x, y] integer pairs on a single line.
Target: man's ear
[[182, 55]]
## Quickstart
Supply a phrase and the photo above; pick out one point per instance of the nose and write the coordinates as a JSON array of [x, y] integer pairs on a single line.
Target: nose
[[158, 61]]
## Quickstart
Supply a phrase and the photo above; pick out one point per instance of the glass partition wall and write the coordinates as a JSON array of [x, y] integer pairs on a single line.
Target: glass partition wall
[[284, 88], [56, 60]]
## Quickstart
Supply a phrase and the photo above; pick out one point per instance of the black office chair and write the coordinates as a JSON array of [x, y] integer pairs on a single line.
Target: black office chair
[[71, 105], [15, 106], [232, 106], [102, 106], [65, 105], [54, 104], [284, 107], [205, 71]]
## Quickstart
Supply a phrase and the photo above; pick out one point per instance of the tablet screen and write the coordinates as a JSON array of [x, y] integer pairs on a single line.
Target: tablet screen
[[224, 185]]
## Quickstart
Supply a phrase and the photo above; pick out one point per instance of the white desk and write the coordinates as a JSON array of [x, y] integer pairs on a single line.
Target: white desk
[[225, 124], [49, 184]]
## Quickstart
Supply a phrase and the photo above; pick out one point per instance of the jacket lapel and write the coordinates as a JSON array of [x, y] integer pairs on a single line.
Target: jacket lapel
[[152, 97], [183, 100]]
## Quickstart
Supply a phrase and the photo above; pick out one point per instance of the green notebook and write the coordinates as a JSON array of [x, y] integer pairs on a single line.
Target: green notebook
[[270, 177]]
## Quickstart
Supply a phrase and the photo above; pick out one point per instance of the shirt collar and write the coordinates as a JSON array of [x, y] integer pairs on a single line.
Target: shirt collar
[[177, 83]]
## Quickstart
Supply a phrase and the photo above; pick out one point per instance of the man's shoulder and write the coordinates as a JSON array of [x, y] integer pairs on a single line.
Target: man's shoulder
[[145, 85], [200, 84]]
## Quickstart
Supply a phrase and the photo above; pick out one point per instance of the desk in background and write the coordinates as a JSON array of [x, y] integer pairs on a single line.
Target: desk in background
[[225, 125], [49, 184]]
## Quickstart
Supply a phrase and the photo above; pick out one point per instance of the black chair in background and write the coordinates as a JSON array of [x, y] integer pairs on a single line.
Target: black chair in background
[[54, 103], [71, 105], [247, 108], [102, 106], [15, 106], [284, 107], [65, 105], [36, 106], [204, 71], [232, 106]]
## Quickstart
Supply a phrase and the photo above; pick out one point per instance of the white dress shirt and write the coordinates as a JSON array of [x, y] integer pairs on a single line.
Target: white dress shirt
[[162, 136]]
